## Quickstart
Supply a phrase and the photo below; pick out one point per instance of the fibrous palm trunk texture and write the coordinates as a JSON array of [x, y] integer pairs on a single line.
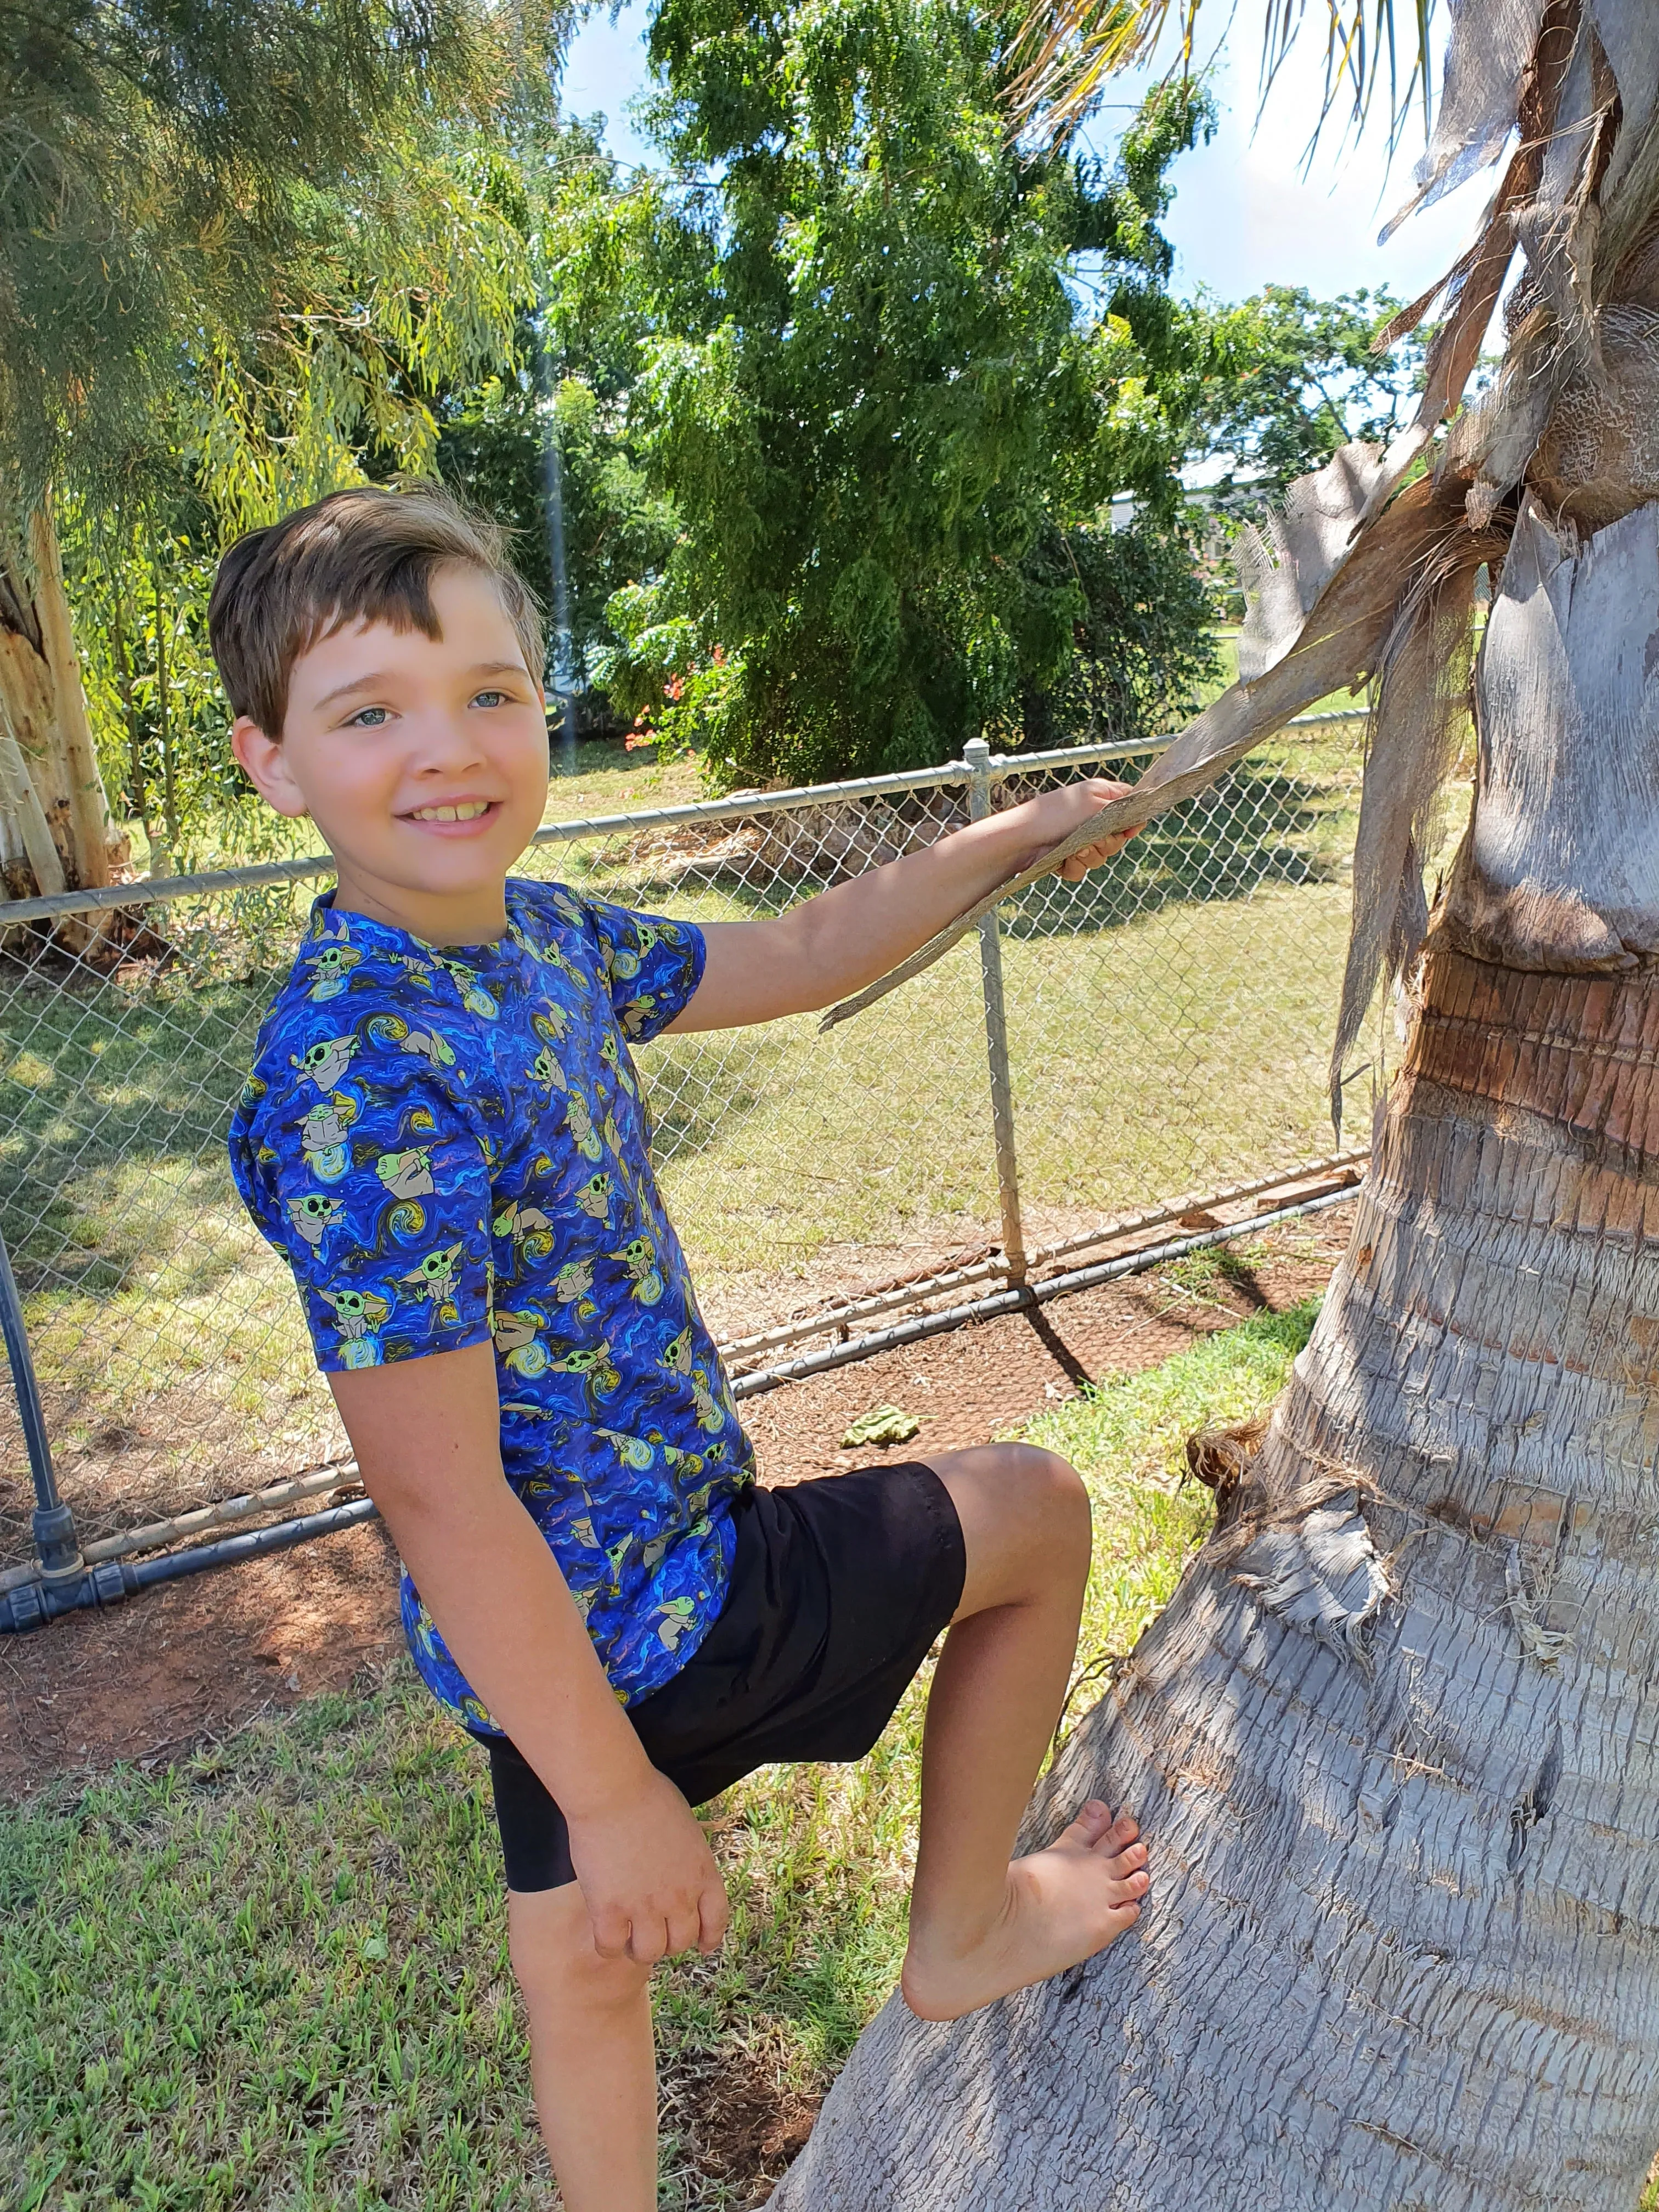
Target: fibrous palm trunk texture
[[1395, 1743]]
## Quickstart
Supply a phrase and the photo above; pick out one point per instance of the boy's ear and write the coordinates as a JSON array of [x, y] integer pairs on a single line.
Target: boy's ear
[[266, 766]]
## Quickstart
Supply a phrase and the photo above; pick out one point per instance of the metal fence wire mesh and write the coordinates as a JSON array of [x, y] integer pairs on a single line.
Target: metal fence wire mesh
[[1168, 1022]]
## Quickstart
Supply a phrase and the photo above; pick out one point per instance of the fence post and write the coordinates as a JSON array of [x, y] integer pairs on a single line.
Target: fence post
[[977, 755], [56, 1546]]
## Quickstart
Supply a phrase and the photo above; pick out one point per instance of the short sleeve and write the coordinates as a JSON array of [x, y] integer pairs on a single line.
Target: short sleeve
[[654, 966], [361, 1165]]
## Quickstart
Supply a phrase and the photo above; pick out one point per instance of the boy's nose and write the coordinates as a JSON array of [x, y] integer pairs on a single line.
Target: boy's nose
[[443, 744]]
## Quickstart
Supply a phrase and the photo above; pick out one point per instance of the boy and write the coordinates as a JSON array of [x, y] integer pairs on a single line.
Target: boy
[[445, 1135]]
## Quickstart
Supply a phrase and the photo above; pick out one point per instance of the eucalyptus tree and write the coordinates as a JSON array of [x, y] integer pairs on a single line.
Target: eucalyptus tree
[[1393, 1743], [232, 247]]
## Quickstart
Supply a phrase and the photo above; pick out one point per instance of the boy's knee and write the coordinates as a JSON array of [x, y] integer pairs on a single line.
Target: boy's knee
[[1051, 1485], [551, 1942], [1025, 1522], [1047, 1492]]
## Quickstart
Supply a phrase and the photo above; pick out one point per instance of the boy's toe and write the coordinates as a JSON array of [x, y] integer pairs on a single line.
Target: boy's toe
[[1121, 1864], [1091, 1823]]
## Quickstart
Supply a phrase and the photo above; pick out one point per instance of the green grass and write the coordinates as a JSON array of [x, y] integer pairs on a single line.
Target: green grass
[[278, 1975], [607, 779]]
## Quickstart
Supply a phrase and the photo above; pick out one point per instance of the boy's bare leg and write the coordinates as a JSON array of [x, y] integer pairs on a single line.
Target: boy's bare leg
[[591, 2054], [980, 1926]]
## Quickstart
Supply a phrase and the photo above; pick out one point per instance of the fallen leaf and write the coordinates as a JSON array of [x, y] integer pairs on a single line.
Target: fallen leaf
[[882, 1424]]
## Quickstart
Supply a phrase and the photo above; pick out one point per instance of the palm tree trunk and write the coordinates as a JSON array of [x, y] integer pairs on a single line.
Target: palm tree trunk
[[1395, 1742], [45, 708]]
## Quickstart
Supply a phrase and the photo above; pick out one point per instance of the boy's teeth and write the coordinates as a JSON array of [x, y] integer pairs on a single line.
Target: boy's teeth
[[470, 812]]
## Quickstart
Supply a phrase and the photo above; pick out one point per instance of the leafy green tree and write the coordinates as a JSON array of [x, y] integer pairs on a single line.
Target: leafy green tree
[[138, 575], [1143, 648], [236, 247], [1296, 378], [896, 399]]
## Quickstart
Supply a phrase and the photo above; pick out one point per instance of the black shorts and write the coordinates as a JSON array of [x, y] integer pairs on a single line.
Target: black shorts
[[838, 1590]]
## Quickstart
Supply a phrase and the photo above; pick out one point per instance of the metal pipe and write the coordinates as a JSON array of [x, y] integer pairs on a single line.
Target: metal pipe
[[15, 1332], [920, 1288], [165, 890], [153, 1536], [52, 1523], [1022, 1296], [32, 1604], [977, 755], [1231, 1195]]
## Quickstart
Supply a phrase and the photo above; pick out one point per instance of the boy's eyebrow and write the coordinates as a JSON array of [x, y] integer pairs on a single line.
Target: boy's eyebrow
[[357, 684], [377, 677]]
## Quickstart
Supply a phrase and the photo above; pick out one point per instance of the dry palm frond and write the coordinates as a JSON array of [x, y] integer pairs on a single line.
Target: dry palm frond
[[1221, 1458], [1479, 98], [1420, 714], [1285, 564]]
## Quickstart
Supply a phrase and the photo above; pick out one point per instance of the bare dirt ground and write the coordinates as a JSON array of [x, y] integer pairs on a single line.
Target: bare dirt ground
[[152, 1679]]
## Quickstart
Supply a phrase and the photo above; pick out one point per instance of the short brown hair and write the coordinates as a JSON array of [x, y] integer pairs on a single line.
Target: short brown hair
[[365, 554]]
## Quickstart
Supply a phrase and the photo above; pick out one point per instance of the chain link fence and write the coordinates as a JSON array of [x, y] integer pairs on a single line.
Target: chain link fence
[[1163, 1030]]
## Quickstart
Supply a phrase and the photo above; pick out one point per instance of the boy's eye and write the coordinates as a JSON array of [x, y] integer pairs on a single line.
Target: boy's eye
[[488, 698], [368, 718]]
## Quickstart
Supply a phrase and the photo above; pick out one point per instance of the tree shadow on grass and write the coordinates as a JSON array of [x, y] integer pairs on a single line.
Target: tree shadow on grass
[[115, 1102], [1259, 825]]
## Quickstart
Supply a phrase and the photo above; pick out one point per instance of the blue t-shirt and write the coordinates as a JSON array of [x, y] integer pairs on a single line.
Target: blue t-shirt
[[449, 1146]]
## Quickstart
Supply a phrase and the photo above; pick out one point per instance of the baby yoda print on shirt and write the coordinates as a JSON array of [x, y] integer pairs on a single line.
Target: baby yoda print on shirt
[[451, 1148]]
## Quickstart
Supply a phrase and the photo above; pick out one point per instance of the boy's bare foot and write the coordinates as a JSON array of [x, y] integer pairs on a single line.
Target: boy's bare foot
[[1062, 1906]]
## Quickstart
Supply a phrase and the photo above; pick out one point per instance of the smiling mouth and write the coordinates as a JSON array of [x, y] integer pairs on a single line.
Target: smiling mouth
[[467, 809]]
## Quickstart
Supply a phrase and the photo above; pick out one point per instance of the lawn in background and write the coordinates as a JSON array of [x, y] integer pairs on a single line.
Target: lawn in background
[[278, 1975]]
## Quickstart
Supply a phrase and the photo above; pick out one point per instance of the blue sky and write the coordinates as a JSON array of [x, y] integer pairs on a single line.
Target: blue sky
[[1245, 214]]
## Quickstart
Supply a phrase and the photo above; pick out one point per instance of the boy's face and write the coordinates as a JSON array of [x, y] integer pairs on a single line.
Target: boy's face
[[422, 761]]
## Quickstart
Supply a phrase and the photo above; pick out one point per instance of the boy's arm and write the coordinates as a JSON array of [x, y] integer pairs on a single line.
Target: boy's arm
[[426, 1437], [833, 944]]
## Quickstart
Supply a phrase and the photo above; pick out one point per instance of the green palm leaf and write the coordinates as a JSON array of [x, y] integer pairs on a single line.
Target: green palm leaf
[[1066, 49]]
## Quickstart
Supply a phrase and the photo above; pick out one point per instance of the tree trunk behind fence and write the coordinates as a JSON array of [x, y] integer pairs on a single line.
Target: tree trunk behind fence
[[55, 829], [1394, 1741]]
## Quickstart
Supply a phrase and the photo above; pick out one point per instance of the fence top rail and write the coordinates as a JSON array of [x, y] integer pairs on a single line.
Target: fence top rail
[[161, 891]]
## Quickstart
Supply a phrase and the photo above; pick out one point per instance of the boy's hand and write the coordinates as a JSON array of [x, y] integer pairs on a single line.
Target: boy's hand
[[649, 1878], [1058, 813]]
